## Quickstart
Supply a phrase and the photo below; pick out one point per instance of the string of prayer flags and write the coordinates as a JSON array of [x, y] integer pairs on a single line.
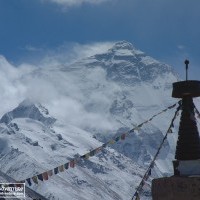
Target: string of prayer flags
[[97, 150], [148, 172], [117, 139], [123, 136], [35, 179], [92, 153], [87, 156], [45, 175], [112, 141]]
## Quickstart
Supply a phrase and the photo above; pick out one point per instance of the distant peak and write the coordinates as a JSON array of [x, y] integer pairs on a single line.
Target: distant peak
[[26, 103], [29, 109]]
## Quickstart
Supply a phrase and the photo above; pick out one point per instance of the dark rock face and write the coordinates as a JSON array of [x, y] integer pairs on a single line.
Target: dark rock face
[[128, 65]]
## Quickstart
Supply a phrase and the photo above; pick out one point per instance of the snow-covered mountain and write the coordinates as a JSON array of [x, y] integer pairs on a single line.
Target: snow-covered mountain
[[90, 101]]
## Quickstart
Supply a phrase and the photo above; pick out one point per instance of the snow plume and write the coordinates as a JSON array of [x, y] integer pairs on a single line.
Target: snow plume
[[11, 89], [70, 52], [68, 3], [61, 92]]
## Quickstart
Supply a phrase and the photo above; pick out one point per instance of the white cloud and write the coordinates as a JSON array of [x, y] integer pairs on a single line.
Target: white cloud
[[68, 3], [63, 93], [71, 52]]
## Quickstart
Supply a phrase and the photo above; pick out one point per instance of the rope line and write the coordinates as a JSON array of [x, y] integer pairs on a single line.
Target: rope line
[[148, 171], [71, 164]]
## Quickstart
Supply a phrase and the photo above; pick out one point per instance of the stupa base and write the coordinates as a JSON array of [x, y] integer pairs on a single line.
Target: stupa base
[[176, 188]]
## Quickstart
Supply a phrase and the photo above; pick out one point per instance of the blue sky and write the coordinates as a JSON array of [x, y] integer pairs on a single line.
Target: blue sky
[[167, 30]]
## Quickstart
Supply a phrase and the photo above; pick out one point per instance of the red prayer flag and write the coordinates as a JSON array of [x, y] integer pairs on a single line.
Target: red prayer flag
[[72, 163], [123, 136], [45, 176]]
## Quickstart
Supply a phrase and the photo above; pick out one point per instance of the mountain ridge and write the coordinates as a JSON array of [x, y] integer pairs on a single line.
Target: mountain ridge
[[91, 101]]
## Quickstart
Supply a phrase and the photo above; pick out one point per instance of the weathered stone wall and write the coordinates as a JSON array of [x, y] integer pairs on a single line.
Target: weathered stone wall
[[176, 188]]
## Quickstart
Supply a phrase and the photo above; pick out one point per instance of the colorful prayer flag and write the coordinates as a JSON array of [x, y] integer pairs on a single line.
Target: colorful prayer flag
[[149, 172], [35, 179], [66, 165], [137, 128], [56, 170], [72, 164], [140, 125], [45, 176], [123, 136], [87, 155], [61, 168], [137, 197], [40, 177], [50, 173], [29, 181]]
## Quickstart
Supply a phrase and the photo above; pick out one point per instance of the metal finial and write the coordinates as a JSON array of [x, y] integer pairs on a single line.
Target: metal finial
[[186, 67]]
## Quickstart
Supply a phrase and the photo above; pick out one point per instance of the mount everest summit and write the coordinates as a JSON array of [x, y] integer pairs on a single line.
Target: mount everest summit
[[71, 109]]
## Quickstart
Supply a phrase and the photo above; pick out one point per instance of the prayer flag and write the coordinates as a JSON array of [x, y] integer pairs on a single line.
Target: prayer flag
[[29, 181], [97, 150], [40, 177], [61, 168], [92, 153], [35, 179], [45, 176], [66, 165], [170, 131], [56, 170], [105, 145], [123, 136], [117, 139], [50, 173], [112, 141]]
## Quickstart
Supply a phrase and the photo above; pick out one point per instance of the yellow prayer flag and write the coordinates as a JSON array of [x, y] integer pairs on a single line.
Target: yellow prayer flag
[[112, 142], [61, 168], [35, 179]]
